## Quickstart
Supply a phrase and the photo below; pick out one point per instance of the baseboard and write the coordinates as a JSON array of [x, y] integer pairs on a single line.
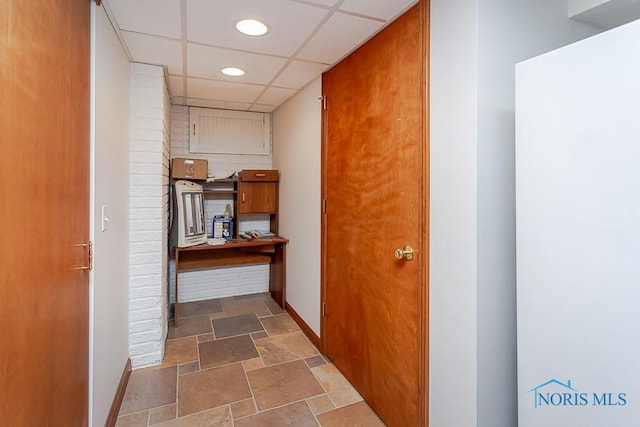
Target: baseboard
[[303, 325], [117, 399]]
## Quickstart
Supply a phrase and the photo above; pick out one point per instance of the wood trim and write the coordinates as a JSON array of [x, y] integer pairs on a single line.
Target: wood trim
[[204, 260], [323, 218], [423, 321], [305, 328], [119, 396]]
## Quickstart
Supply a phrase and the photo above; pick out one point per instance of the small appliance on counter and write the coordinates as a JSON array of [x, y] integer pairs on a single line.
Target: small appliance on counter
[[188, 226]]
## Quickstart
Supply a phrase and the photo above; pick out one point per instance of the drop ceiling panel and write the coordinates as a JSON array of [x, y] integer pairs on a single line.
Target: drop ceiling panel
[[222, 91], [325, 3], [155, 50], [237, 106], [207, 61], [276, 95], [338, 37], [382, 9], [299, 73], [212, 22], [158, 17], [207, 103], [306, 38], [259, 108]]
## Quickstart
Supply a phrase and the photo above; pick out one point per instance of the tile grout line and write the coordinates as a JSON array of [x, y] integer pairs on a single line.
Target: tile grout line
[[199, 370], [246, 377], [178, 381], [321, 395], [264, 328], [233, 421], [315, 417], [283, 406], [323, 387], [261, 361], [200, 412]]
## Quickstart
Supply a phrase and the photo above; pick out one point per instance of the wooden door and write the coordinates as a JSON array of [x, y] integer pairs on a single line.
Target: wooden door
[[376, 190], [44, 211]]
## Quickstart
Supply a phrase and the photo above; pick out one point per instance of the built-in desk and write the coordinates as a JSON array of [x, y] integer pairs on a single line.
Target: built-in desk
[[237, 252]]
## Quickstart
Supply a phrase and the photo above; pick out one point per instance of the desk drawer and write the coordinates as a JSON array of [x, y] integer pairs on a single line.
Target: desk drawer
[[259, 175]]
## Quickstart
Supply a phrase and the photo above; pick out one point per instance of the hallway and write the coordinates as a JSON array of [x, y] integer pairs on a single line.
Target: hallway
[[241, 361]]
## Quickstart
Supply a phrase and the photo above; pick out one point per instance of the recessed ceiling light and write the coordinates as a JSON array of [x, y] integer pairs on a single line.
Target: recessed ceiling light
[[233, 71], [251, 27]]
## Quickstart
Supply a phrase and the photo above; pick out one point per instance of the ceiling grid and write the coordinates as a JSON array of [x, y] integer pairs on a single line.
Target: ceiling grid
[[194, 39]]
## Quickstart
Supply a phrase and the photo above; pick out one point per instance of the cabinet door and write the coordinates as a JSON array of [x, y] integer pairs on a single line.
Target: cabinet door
[[257, 197]]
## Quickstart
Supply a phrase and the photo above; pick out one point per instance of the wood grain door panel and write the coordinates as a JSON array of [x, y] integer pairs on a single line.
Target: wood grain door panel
[[257, 197], [44, 211], [375, 185]]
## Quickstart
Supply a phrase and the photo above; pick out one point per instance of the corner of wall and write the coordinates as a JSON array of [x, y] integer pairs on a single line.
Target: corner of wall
[[149, 179], [297, 154]]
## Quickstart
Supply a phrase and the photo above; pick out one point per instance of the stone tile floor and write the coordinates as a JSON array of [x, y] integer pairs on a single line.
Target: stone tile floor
[[238, 362]]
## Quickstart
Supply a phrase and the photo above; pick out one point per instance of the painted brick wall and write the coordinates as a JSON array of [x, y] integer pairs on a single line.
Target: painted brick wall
[[220, 282], [148, 223]]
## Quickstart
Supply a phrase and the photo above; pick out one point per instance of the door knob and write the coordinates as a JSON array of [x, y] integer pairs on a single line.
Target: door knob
[[406, 253]]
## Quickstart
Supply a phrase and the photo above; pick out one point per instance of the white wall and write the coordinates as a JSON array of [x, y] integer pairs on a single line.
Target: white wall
[[228, 281], [296, 153], [148, 216], [110, 186], [576, 7], [453, 121], [508, 32], [474, 47], [605, 14], [220, 165], [578, 231]]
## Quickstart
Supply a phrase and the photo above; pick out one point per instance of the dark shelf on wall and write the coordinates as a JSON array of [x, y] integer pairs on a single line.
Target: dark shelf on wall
[[217, 181], [254, 192], [208, 191], [219, 186]]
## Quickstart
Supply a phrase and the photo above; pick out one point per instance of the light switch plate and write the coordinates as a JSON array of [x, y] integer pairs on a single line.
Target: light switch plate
[[105, 219]]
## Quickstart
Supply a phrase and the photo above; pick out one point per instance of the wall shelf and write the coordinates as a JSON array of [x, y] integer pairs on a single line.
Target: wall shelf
[[207, 191], [255, 192]]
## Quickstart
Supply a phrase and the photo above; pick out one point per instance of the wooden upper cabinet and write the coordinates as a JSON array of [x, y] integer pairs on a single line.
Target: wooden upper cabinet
[[258, 192], [251, 175], [257, 197], [254, 192]]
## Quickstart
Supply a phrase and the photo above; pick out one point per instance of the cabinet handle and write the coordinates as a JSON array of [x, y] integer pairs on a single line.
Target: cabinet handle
[[261, 175], [244, 197]]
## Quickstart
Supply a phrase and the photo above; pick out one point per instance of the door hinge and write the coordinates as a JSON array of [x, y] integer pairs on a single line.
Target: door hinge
[[324, 309], [90, 255], [89, 248], [324, 206]]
